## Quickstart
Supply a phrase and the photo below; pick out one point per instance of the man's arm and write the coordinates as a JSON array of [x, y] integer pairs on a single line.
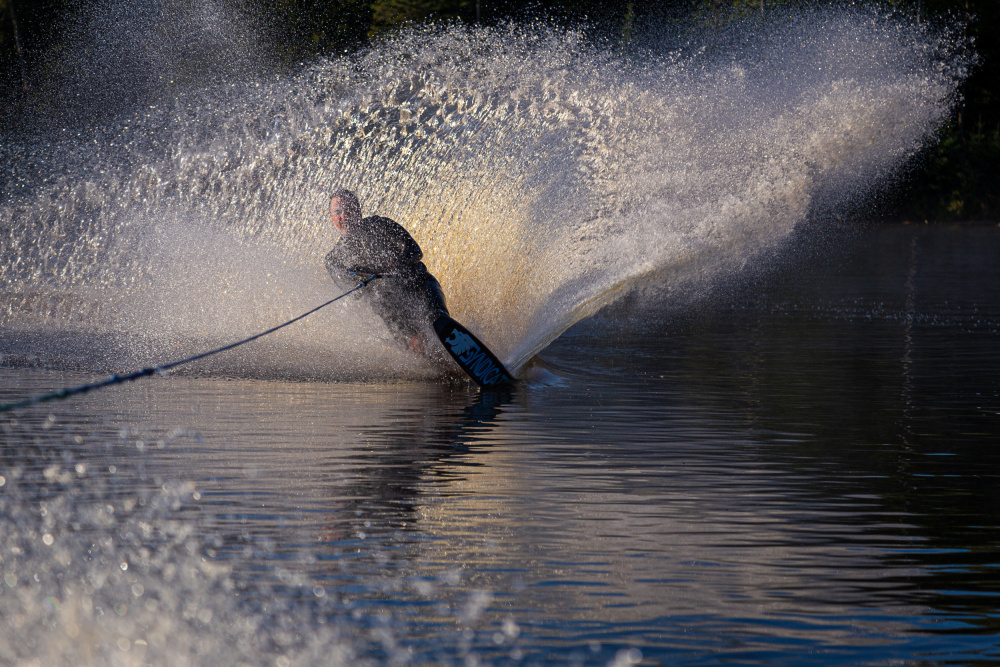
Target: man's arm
[[385, 248], [396, 248], [407, 249], [341, 266]]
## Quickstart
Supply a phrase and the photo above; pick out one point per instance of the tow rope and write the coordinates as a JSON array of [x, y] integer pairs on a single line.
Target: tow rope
[[163, 368]]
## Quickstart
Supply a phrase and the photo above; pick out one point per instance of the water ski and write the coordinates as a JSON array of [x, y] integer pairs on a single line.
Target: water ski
[[470, 353]]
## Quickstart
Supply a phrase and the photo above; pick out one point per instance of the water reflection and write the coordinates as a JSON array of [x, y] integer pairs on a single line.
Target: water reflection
[[361, 454], [871, 385]]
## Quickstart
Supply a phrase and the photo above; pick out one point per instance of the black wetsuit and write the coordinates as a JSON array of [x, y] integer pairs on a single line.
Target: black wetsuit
[[408, 298]]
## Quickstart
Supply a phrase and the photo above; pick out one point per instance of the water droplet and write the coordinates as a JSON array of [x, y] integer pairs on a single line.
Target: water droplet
[[47, 539], [629, 656], [124, 565]]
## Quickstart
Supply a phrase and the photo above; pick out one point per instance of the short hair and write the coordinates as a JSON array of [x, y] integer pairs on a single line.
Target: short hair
[[347, 198]]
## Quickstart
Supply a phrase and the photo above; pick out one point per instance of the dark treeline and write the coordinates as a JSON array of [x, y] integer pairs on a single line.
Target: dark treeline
[[959, 178], [44, 57]]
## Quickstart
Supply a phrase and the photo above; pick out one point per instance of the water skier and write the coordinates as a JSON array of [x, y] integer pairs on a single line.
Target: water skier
[[407, 297]]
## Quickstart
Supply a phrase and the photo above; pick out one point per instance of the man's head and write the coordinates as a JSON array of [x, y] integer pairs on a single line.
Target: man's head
[[345, 209]]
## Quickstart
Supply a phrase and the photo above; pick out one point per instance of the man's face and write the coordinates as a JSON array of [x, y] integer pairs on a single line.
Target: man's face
[[341, 215]]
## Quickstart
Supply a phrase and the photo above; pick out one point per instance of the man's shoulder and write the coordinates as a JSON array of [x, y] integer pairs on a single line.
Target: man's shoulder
[[380, 222], [386, 228]]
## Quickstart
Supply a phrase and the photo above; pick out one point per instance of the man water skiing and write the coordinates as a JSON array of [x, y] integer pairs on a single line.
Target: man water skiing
[[406, 296]]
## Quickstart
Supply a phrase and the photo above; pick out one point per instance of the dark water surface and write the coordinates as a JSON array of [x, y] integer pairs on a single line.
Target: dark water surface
[[807, 475]]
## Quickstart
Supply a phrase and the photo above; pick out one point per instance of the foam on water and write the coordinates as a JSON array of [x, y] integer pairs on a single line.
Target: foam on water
[[96, 574], [544, 175]]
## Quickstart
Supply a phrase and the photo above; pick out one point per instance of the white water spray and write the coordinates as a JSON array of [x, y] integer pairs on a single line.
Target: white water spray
[[543, 175]]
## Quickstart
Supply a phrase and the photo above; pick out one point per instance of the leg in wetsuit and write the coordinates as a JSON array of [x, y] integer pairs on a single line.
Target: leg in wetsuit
[[409, 305]]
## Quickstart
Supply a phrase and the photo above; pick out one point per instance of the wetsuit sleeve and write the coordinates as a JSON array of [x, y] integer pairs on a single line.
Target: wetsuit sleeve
[[341, 267], [407, 249], [381, 246], [398, 247]]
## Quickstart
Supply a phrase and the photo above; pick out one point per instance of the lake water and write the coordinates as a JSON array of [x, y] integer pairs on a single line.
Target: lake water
[[799, 471]]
